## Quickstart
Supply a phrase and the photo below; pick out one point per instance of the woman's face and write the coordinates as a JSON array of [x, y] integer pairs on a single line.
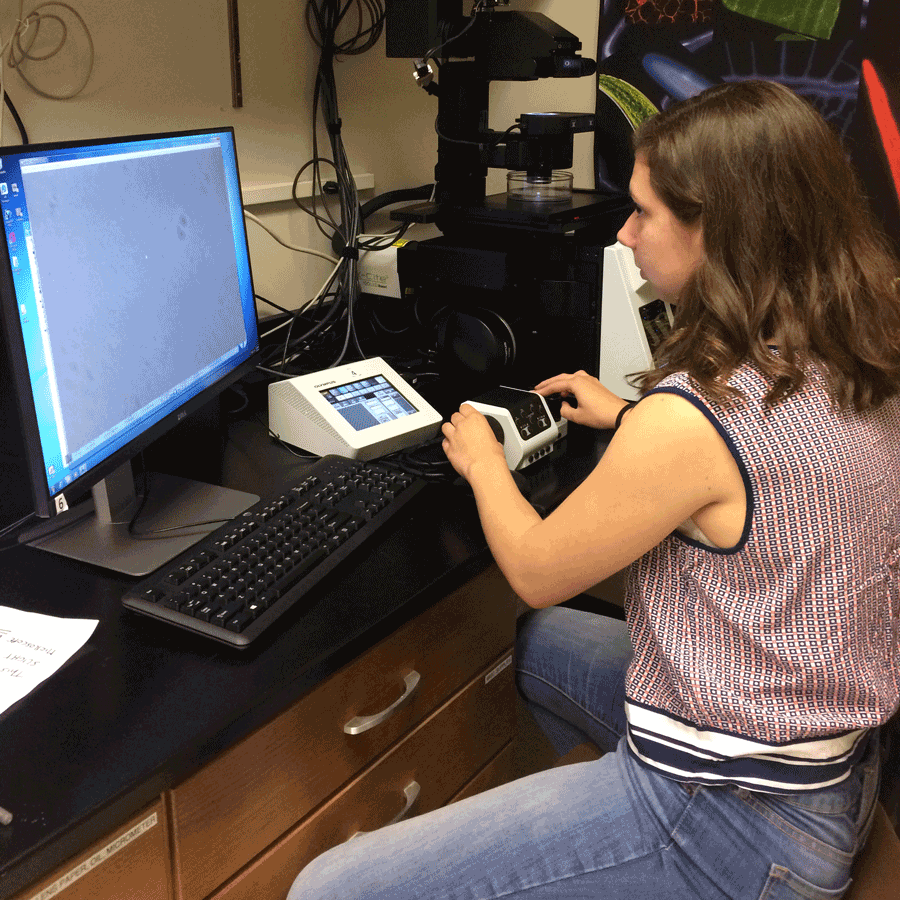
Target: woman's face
[[666, 251]]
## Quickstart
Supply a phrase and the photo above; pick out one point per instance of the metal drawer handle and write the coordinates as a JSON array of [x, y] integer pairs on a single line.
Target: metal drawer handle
[[411, 792], [359, 724]]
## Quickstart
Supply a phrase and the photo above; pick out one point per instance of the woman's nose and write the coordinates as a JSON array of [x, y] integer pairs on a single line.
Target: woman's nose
[[625, 235]]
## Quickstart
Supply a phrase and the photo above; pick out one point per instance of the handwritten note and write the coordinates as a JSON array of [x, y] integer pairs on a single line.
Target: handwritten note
[[33, 647]]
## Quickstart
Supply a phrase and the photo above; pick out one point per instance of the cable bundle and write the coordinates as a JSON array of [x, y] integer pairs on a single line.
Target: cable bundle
[[334, 327], [324, 19]]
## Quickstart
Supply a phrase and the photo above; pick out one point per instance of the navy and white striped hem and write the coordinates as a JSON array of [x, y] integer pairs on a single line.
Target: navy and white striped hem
[[686, 753]]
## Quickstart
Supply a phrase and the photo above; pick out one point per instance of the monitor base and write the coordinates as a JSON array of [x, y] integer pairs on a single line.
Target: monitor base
[[172, 502]]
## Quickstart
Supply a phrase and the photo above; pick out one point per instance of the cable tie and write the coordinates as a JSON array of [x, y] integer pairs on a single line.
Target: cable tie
[[350, 253], [334, 127]]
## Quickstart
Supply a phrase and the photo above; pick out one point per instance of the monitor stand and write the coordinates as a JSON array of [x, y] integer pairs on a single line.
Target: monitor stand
[[172, 502]]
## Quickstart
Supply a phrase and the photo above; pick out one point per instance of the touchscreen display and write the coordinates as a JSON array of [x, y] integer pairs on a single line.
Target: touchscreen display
[[368, 402]]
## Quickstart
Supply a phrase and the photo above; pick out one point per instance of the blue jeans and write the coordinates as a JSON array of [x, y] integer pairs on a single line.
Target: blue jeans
[[610, 829]]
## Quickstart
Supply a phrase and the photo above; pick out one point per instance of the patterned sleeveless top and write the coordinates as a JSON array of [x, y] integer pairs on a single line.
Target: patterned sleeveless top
[[767, 664]]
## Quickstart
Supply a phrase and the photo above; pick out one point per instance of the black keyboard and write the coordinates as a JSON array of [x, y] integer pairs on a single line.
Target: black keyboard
[[239, 579]]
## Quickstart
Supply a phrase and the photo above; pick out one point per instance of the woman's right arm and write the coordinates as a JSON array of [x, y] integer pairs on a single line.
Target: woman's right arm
[[666, 463]]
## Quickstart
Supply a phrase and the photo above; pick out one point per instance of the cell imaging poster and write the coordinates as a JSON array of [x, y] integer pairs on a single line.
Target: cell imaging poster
[[841, 55]]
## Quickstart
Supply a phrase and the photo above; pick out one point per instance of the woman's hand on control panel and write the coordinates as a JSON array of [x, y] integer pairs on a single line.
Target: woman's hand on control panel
[[585, 401], [469, 439]]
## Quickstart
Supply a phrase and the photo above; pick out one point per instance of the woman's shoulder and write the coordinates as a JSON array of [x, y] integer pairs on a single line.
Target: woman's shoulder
[[744, 387]]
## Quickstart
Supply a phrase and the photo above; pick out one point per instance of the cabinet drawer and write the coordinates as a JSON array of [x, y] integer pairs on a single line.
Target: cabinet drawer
[[500, 770], [131, 864], [440, 756], [245, 799]]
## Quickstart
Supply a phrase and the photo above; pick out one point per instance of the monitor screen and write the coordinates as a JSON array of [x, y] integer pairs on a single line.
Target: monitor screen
[[368, 402], [127, 294]]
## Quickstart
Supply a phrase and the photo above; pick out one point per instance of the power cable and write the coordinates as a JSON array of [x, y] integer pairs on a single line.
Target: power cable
[[19, 52]]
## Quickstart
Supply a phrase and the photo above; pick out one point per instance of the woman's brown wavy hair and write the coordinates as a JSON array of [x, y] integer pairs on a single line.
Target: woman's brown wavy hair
[[793, 253]]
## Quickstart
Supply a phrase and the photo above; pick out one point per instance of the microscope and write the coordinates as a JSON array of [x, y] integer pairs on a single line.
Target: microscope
[[512, 286]]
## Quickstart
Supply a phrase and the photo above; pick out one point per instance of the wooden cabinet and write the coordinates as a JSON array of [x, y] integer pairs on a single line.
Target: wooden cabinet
[[499, 770], [131, 864], [423, 718], [247, 800], [423, 772]]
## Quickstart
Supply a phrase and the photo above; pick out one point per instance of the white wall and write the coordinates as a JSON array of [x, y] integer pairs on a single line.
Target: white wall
[[164, 65]]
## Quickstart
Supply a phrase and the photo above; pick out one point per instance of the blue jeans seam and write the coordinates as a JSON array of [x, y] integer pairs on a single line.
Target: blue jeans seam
[[790, 878], [808, 842], [586, 871], [571, 700]]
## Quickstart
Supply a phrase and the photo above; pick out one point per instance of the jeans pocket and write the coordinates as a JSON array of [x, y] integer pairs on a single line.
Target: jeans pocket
[[830, 838], [783, 884]]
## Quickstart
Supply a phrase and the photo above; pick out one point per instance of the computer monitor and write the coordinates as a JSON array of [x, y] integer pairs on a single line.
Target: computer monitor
[[127, 303]]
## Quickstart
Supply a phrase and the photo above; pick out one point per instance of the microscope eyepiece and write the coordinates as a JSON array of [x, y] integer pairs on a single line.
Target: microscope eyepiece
[[565, 66]]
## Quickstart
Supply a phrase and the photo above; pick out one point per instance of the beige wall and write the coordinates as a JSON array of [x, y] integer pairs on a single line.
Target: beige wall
[[164, 65]]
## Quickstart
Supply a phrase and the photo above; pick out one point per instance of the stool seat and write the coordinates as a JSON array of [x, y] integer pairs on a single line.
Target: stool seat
[[876, 874]]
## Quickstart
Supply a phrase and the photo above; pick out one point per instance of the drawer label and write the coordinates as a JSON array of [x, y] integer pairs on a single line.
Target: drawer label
[[498, 669], [98, 858]]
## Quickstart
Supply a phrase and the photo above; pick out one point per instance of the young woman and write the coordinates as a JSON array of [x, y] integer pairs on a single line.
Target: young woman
[[754, 495]]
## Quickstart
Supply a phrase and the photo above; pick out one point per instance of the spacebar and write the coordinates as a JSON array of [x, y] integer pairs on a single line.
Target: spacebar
[[301, 570]]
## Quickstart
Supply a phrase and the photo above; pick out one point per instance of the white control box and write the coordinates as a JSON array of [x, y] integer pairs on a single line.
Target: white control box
[[377, 269], [360, 410], [522, 422]]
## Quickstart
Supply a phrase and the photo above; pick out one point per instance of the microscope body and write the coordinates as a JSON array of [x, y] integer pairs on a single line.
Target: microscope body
[[513, 285]]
